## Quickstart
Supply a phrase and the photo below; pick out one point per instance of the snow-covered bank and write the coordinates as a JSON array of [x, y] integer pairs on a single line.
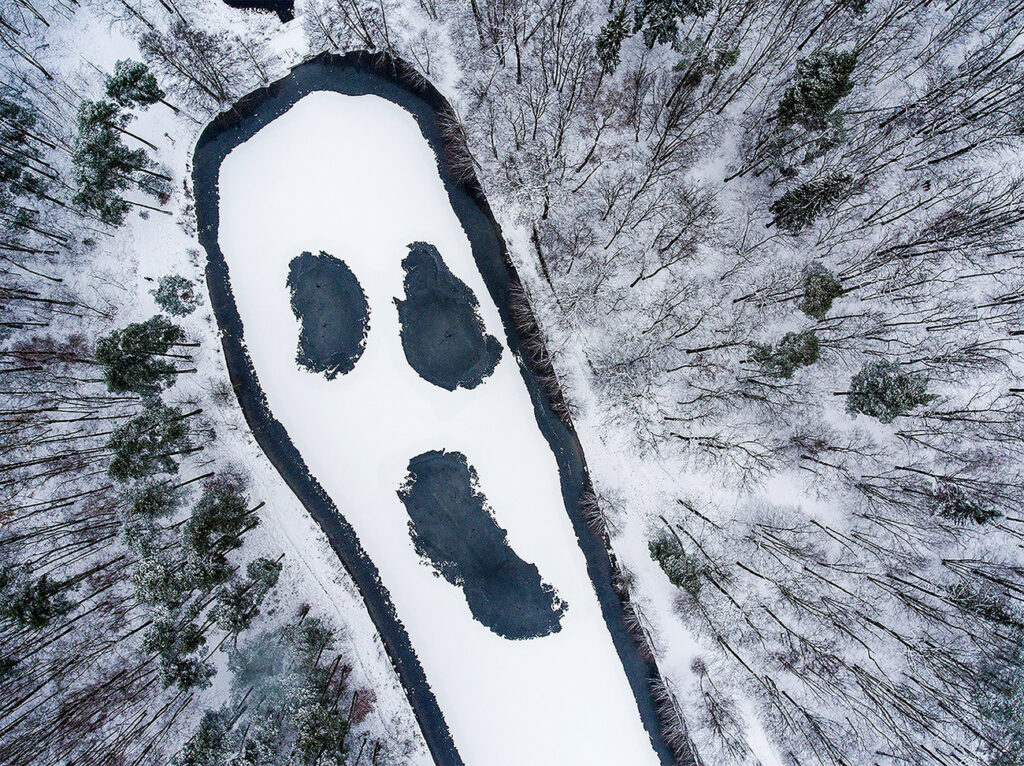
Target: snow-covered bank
[[353, 176]]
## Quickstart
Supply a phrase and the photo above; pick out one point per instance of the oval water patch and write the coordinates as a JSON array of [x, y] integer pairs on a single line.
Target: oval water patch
[[452, 526], [332, 311], [443, 335]]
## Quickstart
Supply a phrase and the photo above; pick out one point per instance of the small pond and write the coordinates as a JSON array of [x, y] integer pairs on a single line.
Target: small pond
[[364, 299]]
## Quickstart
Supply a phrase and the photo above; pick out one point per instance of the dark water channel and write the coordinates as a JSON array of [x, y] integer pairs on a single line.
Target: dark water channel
[[360, 74]]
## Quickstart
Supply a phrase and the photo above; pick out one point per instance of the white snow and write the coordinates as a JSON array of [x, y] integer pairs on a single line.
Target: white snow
[[353, 176]]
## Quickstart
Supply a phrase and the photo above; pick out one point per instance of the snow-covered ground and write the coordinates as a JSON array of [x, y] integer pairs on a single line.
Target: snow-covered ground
[[353, 176]]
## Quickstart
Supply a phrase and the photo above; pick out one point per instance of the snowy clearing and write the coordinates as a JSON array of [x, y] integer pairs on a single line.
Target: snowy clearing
[[353, 176]]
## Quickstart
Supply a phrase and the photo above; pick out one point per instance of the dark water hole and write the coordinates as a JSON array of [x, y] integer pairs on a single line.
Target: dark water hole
[[442, 334], [452, 526], [332, 311]]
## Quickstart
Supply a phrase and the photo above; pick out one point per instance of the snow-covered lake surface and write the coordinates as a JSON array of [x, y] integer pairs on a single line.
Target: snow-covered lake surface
[[352, 176]]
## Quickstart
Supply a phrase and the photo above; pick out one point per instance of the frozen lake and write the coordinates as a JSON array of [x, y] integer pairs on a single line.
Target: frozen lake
[[503, 616]]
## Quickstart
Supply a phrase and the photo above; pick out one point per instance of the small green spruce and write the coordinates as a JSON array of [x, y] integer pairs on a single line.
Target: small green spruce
[[141, 535], [608, 45], [8, 667], [263, 573], [32, 603], [104, 166], [238, 602], [822, 81], [856, 7], [821, 287], [18, 178], [884, 391], [176, 295], [289, 703], [130, 356], [208, 746], [658, 20], [781, 360], [178, 647], [159, 579], [681, 569], [219, 520], [132, 84], [153, 499], [1000, 693], [953, 503], [799, 207], [148, 443], [321, 731]]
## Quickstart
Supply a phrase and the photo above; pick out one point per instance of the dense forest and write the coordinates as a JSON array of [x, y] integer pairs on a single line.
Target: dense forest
[[775, 252]]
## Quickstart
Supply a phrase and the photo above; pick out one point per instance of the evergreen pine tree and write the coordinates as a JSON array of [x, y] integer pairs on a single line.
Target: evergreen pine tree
[[856, 7], [153, 500], [18, 118], [796, 349], [127, 356], [176, 295], [291, 708], [159, 579], [148, 443], [659, 19], [884, 391], [238, 602], [680, 568], [800, 207], [132, 84], [141, 535], [177, 647], [207, 746], [310, 637], [263, 573], [822, 81], [1001, 702], [8, 667], [218, 521], [234, 609], [104, 166], [609, 40], [821, 288], [32, 603], [320, 730], [951, 502]]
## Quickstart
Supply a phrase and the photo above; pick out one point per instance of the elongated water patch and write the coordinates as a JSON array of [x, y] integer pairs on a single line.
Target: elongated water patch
[[331, 308], [442, 334], [452, 526]]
